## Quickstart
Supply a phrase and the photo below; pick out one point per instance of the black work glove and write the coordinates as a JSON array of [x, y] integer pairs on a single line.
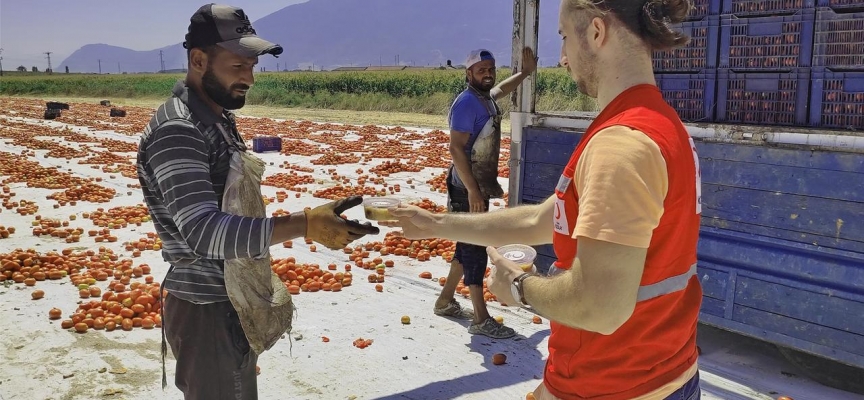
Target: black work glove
[[325, 225]]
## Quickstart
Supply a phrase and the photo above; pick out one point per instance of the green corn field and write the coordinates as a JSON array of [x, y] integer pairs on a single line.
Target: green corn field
[[423, 91]]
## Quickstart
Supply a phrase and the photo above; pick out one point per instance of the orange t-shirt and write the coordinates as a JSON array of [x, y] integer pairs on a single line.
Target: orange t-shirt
[[619, 157]]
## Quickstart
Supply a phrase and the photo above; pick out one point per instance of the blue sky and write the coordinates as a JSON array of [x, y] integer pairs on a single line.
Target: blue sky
[[29, 28]]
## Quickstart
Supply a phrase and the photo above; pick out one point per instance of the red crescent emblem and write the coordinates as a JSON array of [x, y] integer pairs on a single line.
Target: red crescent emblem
[[557, 211]]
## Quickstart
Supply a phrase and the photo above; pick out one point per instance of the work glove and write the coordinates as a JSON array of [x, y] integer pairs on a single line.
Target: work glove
[[325, 225]]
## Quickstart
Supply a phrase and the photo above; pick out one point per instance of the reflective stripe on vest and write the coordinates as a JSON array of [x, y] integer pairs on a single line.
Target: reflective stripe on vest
[[666, 286]]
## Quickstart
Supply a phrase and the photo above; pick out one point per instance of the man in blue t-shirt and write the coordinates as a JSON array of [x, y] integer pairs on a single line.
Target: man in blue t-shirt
[[475, 145]]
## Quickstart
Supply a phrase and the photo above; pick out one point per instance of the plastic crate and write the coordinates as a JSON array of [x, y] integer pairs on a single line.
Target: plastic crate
[[841, 4], [744, 8], [691, 95], [703, 8], [767, 98], [839, 40], [699, 54], [837, 99], [767, 43], [51, 113], [54, 105], [261, 144]]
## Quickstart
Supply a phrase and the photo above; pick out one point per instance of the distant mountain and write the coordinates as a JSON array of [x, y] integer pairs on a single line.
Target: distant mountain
[[332, 33], [114, 59]]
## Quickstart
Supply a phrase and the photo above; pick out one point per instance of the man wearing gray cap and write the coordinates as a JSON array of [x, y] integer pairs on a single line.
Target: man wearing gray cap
[[184, 159], [475, 145]]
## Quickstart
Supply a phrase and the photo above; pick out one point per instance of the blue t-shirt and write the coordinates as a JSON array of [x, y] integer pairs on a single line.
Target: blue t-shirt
[[468, 114]]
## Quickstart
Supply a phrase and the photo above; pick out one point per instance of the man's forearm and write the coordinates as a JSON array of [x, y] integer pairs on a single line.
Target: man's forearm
[[510, 84], [598, 293], [558, 298], [288, 227], [497, 228], [463, 168]]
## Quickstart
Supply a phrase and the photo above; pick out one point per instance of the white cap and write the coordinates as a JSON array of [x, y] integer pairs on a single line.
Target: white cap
[[478, 55]]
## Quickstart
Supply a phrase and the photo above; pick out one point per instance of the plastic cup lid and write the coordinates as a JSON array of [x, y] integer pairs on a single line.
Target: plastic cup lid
[[518, 253], [514, 255], [381, 202]]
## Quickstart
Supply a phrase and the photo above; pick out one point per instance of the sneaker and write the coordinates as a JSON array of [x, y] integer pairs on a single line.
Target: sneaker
[[491, 328], [455, 310]]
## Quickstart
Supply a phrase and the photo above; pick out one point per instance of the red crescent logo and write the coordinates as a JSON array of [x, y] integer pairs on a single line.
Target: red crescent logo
[[557, 211]]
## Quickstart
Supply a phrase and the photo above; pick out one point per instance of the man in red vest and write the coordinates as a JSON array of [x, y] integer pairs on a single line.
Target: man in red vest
[[623, 297]]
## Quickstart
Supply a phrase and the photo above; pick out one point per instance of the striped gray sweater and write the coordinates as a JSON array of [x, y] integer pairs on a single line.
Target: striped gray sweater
[[183, 162]]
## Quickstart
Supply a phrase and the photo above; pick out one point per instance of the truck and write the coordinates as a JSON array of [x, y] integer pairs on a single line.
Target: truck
[[778, 134]]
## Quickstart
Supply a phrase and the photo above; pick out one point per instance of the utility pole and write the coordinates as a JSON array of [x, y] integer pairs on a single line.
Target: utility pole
[[48, 53], [397, 59], [118, 68], [161, 62], [277, 67], [1, 61], [100, 66]]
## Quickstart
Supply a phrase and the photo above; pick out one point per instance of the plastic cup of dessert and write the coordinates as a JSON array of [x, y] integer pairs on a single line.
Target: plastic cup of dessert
[[520, 254], [376, 208]]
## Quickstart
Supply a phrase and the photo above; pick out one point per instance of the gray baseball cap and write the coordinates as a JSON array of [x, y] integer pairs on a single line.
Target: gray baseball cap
[[477, 56], [229, 28]]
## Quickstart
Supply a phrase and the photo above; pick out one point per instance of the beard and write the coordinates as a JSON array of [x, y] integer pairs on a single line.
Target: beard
[[220, 95], [482, 86], [584, 73]]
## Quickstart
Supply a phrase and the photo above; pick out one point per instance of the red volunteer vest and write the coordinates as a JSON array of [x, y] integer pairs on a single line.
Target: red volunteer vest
[[658, 343]]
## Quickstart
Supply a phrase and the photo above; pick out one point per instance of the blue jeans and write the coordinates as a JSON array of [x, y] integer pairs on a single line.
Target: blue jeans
[[472, 257], [690, 390]]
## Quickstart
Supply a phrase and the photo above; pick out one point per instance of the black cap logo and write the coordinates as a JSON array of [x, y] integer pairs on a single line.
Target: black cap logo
[[241, 15], [246, 28]]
